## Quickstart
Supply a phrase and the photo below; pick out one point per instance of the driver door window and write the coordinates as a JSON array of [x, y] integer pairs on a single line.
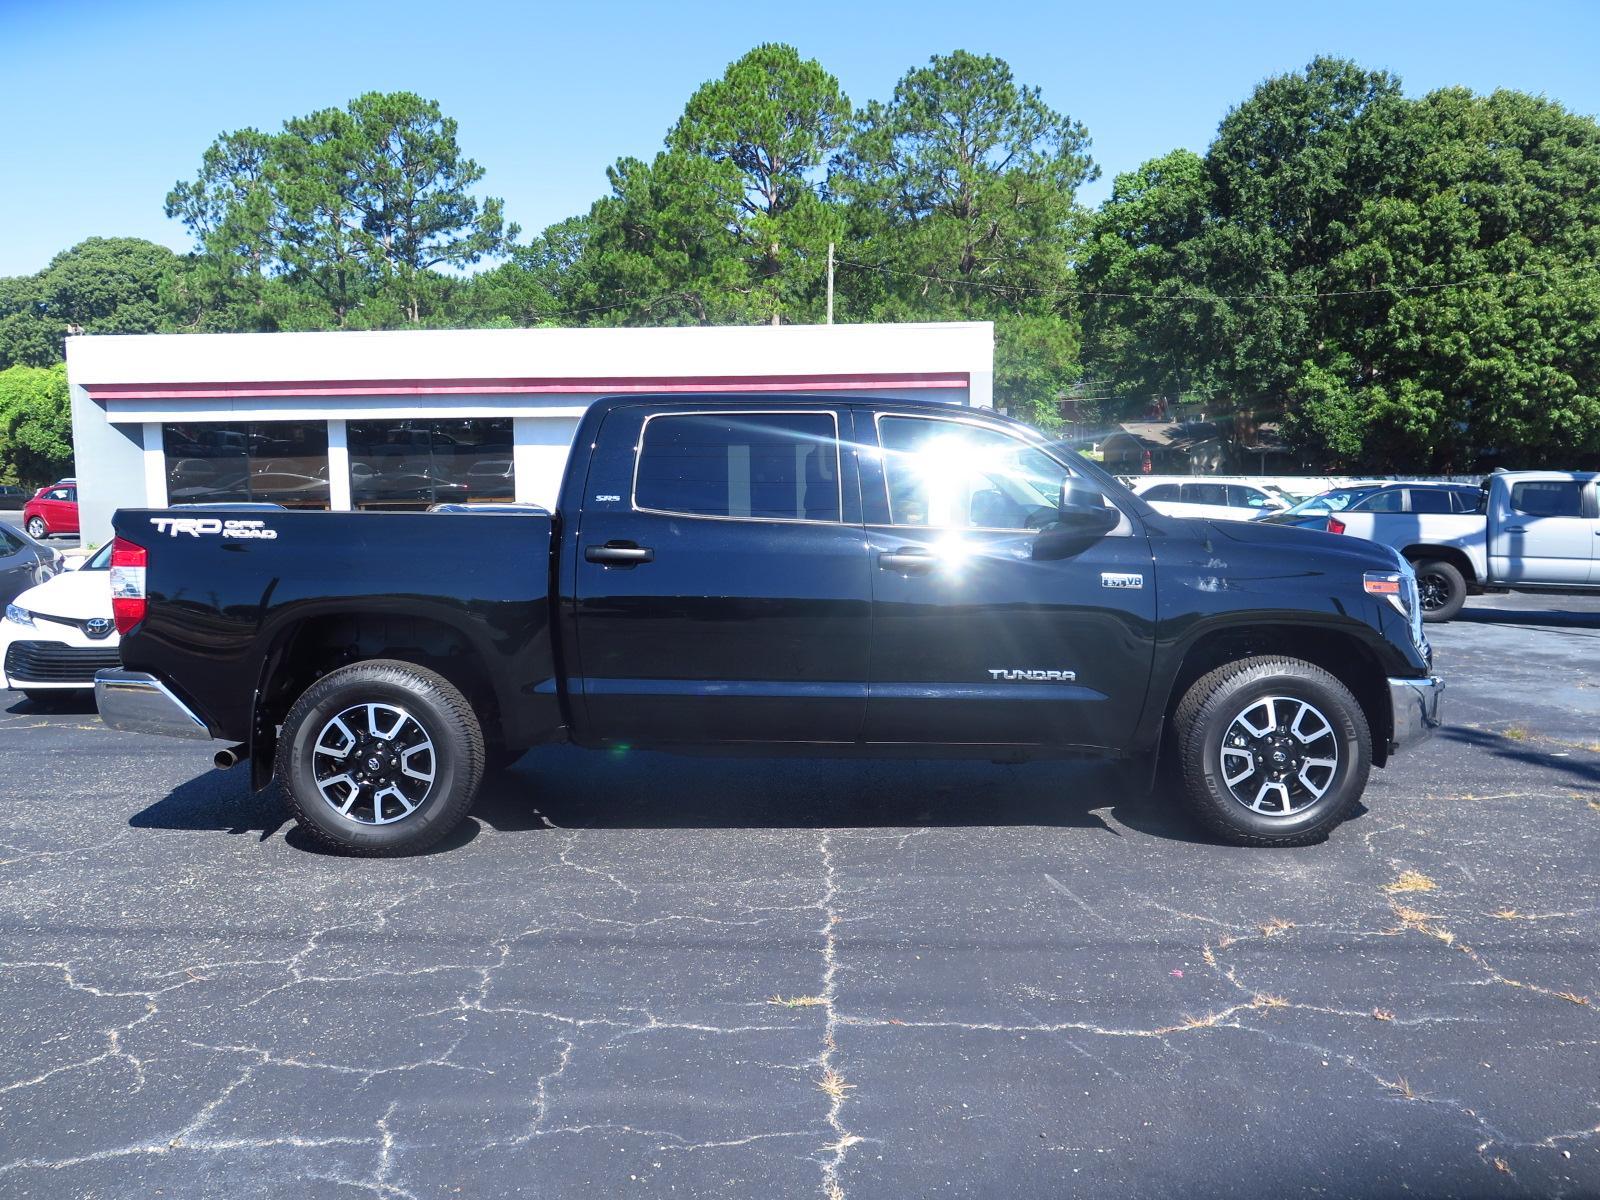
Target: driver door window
[[950, 475]]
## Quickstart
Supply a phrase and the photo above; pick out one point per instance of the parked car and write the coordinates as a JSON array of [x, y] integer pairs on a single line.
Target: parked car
[[1381, 497], [14, 493], [1204, 498], [1531, 531], [24, 563], [52, 510], [773, 574], [57, 635]]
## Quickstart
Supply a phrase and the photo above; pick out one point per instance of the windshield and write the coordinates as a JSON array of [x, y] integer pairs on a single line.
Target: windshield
[[1330, 502]]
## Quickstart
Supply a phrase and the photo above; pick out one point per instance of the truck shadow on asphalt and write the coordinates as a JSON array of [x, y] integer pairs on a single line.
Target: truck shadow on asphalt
[[568, 788], [1579, 766], [1549, 618]]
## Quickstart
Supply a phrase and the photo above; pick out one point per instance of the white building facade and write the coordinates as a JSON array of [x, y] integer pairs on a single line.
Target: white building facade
[[404, 419]]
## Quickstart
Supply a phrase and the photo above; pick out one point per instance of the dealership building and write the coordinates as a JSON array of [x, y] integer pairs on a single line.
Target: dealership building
[[405, 419]]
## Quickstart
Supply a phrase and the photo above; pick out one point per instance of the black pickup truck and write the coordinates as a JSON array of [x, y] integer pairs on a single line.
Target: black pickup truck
[[782, 576]]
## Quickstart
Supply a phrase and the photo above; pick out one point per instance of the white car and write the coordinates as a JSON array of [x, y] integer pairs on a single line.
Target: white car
[[57, 635], [1204, 498]]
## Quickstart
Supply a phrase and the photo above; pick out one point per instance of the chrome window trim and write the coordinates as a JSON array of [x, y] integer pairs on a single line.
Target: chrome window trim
[[1124, 528], [838, 464]]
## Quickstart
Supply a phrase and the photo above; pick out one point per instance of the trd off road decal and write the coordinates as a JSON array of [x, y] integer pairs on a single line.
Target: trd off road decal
[[213, 527]]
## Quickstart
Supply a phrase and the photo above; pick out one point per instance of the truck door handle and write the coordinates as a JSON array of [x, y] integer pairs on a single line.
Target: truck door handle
[[908, 560], [622, 554]]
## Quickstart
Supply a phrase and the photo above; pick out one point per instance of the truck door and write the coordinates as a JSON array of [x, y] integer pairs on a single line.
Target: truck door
[[979, 634], [721, 578], [1544, 532]]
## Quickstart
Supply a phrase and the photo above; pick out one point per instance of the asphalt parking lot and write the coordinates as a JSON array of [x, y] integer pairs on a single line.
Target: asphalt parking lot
[[642, 975]]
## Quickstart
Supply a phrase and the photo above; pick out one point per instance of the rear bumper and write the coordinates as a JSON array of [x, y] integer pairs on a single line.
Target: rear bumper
[[1415, 704], [141, 703]]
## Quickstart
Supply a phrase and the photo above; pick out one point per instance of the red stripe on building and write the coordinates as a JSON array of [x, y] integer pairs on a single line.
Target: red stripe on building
[[676, 384]]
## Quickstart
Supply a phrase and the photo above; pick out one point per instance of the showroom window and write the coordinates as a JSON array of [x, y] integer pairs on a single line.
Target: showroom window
[[399, 465], [285, 462]]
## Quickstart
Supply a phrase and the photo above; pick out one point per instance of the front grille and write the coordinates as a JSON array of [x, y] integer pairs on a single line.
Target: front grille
[[51, 662]]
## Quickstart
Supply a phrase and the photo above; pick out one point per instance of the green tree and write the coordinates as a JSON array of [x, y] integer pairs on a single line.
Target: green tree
[[339, 221], [1410, 284], [101, 285], [729, 223], [35, 423], [775, 119], [962, 203]]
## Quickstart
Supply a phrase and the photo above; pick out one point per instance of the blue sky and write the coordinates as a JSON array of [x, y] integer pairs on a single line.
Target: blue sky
[[105, 103]]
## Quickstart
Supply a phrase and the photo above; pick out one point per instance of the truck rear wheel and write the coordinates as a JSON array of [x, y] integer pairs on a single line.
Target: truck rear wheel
[[380, 758], [1442, 589], [1271, 751]]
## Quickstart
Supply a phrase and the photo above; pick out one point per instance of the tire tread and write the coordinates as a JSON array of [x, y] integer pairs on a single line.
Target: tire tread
[[1187, 718], [403, 674]]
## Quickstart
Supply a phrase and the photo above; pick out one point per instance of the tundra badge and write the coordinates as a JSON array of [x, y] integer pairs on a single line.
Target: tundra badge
[[1031, 675], [1117, 579]]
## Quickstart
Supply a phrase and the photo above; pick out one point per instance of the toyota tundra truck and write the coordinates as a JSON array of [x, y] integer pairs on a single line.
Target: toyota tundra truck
[[776, 576]]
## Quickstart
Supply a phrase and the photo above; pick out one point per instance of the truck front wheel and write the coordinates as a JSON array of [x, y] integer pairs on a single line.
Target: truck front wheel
[[1271, 751], [380, 758]]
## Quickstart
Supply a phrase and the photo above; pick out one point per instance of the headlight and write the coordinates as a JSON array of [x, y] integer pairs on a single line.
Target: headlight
[[1399, 588], [20, 615]]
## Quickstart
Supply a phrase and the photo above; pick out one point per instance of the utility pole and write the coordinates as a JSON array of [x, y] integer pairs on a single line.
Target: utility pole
[[830, 283]]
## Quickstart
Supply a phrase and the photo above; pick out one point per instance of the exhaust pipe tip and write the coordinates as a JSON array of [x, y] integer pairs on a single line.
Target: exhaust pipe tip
[[230, 757]]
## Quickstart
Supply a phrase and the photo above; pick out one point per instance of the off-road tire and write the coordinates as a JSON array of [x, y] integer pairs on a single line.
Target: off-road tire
[[1210, 707], [1454, 583], [435, 704]]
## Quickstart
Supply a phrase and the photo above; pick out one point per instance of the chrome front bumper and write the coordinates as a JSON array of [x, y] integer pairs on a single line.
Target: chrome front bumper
[[1415, 704], [140, 703]]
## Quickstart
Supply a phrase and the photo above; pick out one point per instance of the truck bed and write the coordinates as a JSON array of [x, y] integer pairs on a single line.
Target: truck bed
[[230, 590]]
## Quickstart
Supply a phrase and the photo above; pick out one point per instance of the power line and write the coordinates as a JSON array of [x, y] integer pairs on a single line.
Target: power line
[[1185, 297], [1014, 289]]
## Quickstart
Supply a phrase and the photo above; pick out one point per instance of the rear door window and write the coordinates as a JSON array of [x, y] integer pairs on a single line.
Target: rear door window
[[775, 466], [1548, 498], [1427, 500]]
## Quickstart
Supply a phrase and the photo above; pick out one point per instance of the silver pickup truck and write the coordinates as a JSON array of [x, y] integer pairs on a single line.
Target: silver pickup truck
[[1534, 531]]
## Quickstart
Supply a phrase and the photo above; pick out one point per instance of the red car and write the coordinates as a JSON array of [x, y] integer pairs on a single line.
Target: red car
[[53, 509]]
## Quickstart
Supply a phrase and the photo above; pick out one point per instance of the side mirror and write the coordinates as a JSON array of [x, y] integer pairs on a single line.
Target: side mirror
[[1082, 517]]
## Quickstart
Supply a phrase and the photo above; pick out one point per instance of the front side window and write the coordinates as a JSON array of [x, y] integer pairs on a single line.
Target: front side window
[[951, 474], [1240, 496], [1390, 500], [780, 466], [1548, 498], [1162, 491]]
